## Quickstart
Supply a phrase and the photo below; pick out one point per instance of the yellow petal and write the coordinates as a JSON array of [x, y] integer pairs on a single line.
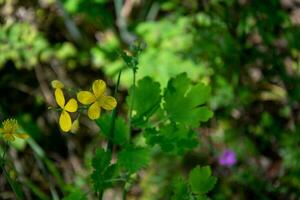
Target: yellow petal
[[22, 135], [75, 126], [56, 84], [99, 87], [9, 137], [108, 102], [65, 122], [59, 97], [71, 106], [85, 97], [94, 111], [1, 130]]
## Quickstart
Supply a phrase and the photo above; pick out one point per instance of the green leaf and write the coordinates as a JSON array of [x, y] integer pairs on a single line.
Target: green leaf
[[201, 181], [101, 159], [172, 138], [76, 194], [121, 131], [181, 190], [202, 197], [103, 172], [184, 102], [133, 158], [147, 97]]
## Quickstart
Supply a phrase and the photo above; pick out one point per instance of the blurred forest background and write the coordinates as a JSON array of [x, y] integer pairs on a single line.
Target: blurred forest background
[[248, 51]]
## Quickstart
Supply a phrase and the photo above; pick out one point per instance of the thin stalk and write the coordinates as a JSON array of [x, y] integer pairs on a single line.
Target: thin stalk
[[9, 180], [4, 154], [101, 195], [46, 166], [130, 119], [110, 144], [36, 190], [113, 116], [131, 101], [124, 196], [11, 183], [115, 180], [52, 189]]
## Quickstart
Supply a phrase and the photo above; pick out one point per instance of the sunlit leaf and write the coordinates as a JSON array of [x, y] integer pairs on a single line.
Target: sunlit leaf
[[184, 102], [147, 97]]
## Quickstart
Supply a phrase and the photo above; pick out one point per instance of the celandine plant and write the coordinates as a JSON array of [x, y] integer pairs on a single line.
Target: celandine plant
[[163, 118]]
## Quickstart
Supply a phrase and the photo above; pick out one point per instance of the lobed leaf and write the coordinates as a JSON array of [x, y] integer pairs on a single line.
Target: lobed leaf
[[181, 190], [121, 131], [134, 158], [103, 171], [172, 138], [201, 180], [184, 102], [147, 99]]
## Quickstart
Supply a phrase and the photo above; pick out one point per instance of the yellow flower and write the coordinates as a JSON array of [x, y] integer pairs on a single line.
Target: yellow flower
[[97, 99], [9, 130], [57, 84], [65, 121]]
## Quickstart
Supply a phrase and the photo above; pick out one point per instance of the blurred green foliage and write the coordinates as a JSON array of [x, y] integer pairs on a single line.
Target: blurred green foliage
[[22, 44]]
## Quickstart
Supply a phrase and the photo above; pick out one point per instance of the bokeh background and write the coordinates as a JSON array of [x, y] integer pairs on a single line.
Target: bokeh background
[[246, 50]]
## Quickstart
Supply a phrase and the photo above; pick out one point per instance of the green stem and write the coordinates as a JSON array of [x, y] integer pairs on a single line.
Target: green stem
[[116, 179], [110, 144], [4, 154], [113, 116], [36, 190], [11, 183], [46, 166], [80, 108], [131, 101], [130, 118], [101, 195], [124, 194]]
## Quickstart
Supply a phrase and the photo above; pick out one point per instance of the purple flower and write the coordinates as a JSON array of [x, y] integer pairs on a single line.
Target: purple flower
[[227, 158]]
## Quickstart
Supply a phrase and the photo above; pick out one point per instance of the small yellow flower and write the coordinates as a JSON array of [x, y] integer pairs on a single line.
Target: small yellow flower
[[9, 130], [56, 84], [97, 99], [65, 121]]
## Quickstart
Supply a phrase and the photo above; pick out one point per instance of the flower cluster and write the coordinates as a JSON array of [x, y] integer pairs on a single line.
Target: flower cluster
[[95, 99], [9, 130]]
